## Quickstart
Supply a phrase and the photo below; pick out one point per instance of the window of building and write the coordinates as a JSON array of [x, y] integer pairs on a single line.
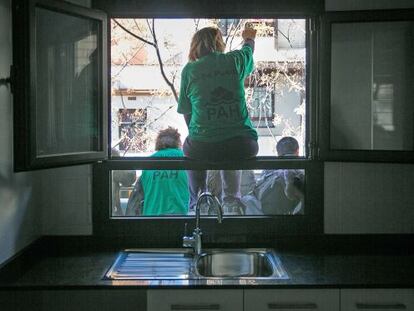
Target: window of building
[[147, 56]]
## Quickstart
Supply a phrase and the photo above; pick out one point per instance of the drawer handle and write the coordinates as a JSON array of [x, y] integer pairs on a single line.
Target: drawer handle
[[195, 307], [303, 306], [375, 306]]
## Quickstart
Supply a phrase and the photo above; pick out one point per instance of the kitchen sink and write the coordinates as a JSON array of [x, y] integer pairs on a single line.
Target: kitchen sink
[[183, 264], [239, 263], [152, 264]]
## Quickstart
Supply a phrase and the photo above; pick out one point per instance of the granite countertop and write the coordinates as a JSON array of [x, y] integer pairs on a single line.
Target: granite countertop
[[59, 268]]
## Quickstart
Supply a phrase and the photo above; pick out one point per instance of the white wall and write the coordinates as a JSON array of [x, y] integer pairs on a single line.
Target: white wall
[[65, 199], [45, 202], [369, 198], [359, 197], [18, 213]]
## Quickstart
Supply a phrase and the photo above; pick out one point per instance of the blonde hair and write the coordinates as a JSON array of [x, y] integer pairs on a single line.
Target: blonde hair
[[205, 41]]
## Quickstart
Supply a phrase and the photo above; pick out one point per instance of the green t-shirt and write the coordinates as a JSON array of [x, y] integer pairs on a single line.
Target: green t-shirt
[[212, 90], [165, 191]]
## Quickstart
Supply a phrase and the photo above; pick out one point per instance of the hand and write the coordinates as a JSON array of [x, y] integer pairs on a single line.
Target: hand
[[249, 32]]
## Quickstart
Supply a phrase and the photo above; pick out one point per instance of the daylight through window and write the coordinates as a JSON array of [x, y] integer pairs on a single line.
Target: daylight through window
[[147, 59]]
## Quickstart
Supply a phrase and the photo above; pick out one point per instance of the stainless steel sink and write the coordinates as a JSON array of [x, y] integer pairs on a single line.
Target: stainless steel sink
[[152, 264], [182, 264], [239, 263]]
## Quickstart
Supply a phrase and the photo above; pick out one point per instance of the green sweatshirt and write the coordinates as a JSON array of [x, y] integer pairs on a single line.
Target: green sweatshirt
[[165, 191], [212, 90]]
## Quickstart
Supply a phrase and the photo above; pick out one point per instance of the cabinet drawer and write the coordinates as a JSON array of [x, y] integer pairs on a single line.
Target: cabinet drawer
[[194, 300], [377, 299], [291, 299]]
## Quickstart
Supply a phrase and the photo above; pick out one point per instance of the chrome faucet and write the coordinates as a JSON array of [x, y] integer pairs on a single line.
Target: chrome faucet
[[194, 241]]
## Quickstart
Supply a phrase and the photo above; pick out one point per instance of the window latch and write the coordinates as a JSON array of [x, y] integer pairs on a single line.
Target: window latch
[[8, 80]]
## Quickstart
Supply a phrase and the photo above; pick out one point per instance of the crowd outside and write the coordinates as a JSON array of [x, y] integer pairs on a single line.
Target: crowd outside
[[281, 191]]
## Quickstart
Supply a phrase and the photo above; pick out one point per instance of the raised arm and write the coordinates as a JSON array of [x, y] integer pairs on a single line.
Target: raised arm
[[249, 35]]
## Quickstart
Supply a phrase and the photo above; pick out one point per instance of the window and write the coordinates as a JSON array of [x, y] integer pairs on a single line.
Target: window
[[147, 56], [262, 107], [142, 85], [59, 93], [131, 129], [368, 110]]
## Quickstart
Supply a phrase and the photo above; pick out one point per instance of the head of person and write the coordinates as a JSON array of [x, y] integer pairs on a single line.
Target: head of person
[[168, 138], [205, 41], [287, 146]]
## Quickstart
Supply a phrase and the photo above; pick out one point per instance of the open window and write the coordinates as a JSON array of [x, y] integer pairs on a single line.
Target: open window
[[62, 81], [367, 74], [59, 84], [147, 55]]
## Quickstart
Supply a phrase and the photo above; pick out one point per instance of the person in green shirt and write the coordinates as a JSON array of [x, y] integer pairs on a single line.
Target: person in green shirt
[[161, 192], [212, 100]]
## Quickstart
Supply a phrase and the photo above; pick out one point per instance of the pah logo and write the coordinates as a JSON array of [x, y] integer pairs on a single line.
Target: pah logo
[[165, 175], [223, 105]]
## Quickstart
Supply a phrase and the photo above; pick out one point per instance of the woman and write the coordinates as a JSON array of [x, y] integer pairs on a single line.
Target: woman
[[161, 192], [212, 100]]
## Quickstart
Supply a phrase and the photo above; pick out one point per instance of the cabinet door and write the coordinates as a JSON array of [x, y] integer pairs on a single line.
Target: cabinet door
[[377, 299], [291, 299], [73, 300], [195, 299]]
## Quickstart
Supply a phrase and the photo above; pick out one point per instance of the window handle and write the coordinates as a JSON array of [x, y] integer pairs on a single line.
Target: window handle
[[293, 305], [382, 306], [200, 306]]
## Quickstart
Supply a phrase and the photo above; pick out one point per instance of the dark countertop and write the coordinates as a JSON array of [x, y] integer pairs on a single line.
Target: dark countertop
[[47, 265]]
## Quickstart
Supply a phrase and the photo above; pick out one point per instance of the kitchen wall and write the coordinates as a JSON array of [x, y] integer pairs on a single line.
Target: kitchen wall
[[359, 197], [19, 215], [37, 203], [66, 195], [65, 198], [368, 197]]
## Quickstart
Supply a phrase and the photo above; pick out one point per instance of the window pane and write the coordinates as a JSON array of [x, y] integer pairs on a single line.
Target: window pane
[[371, 84], [144, 82], [66, 94], [247, 192]]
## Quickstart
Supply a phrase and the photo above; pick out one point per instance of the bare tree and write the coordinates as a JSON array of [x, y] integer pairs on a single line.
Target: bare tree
[[274, 77]]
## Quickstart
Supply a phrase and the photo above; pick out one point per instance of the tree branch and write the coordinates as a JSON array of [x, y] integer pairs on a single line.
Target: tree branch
[[133, 34], [127, 62], [162, 114], [157, 50]]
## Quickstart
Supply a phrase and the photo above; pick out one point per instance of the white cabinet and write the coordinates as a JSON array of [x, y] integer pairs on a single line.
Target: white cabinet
[[281, 299], [195, 299], [291, 299], [377, 299], [119, 299]]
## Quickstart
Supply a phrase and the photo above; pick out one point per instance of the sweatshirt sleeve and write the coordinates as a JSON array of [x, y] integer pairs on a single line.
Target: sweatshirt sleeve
[[243, 59], [184, 104]]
